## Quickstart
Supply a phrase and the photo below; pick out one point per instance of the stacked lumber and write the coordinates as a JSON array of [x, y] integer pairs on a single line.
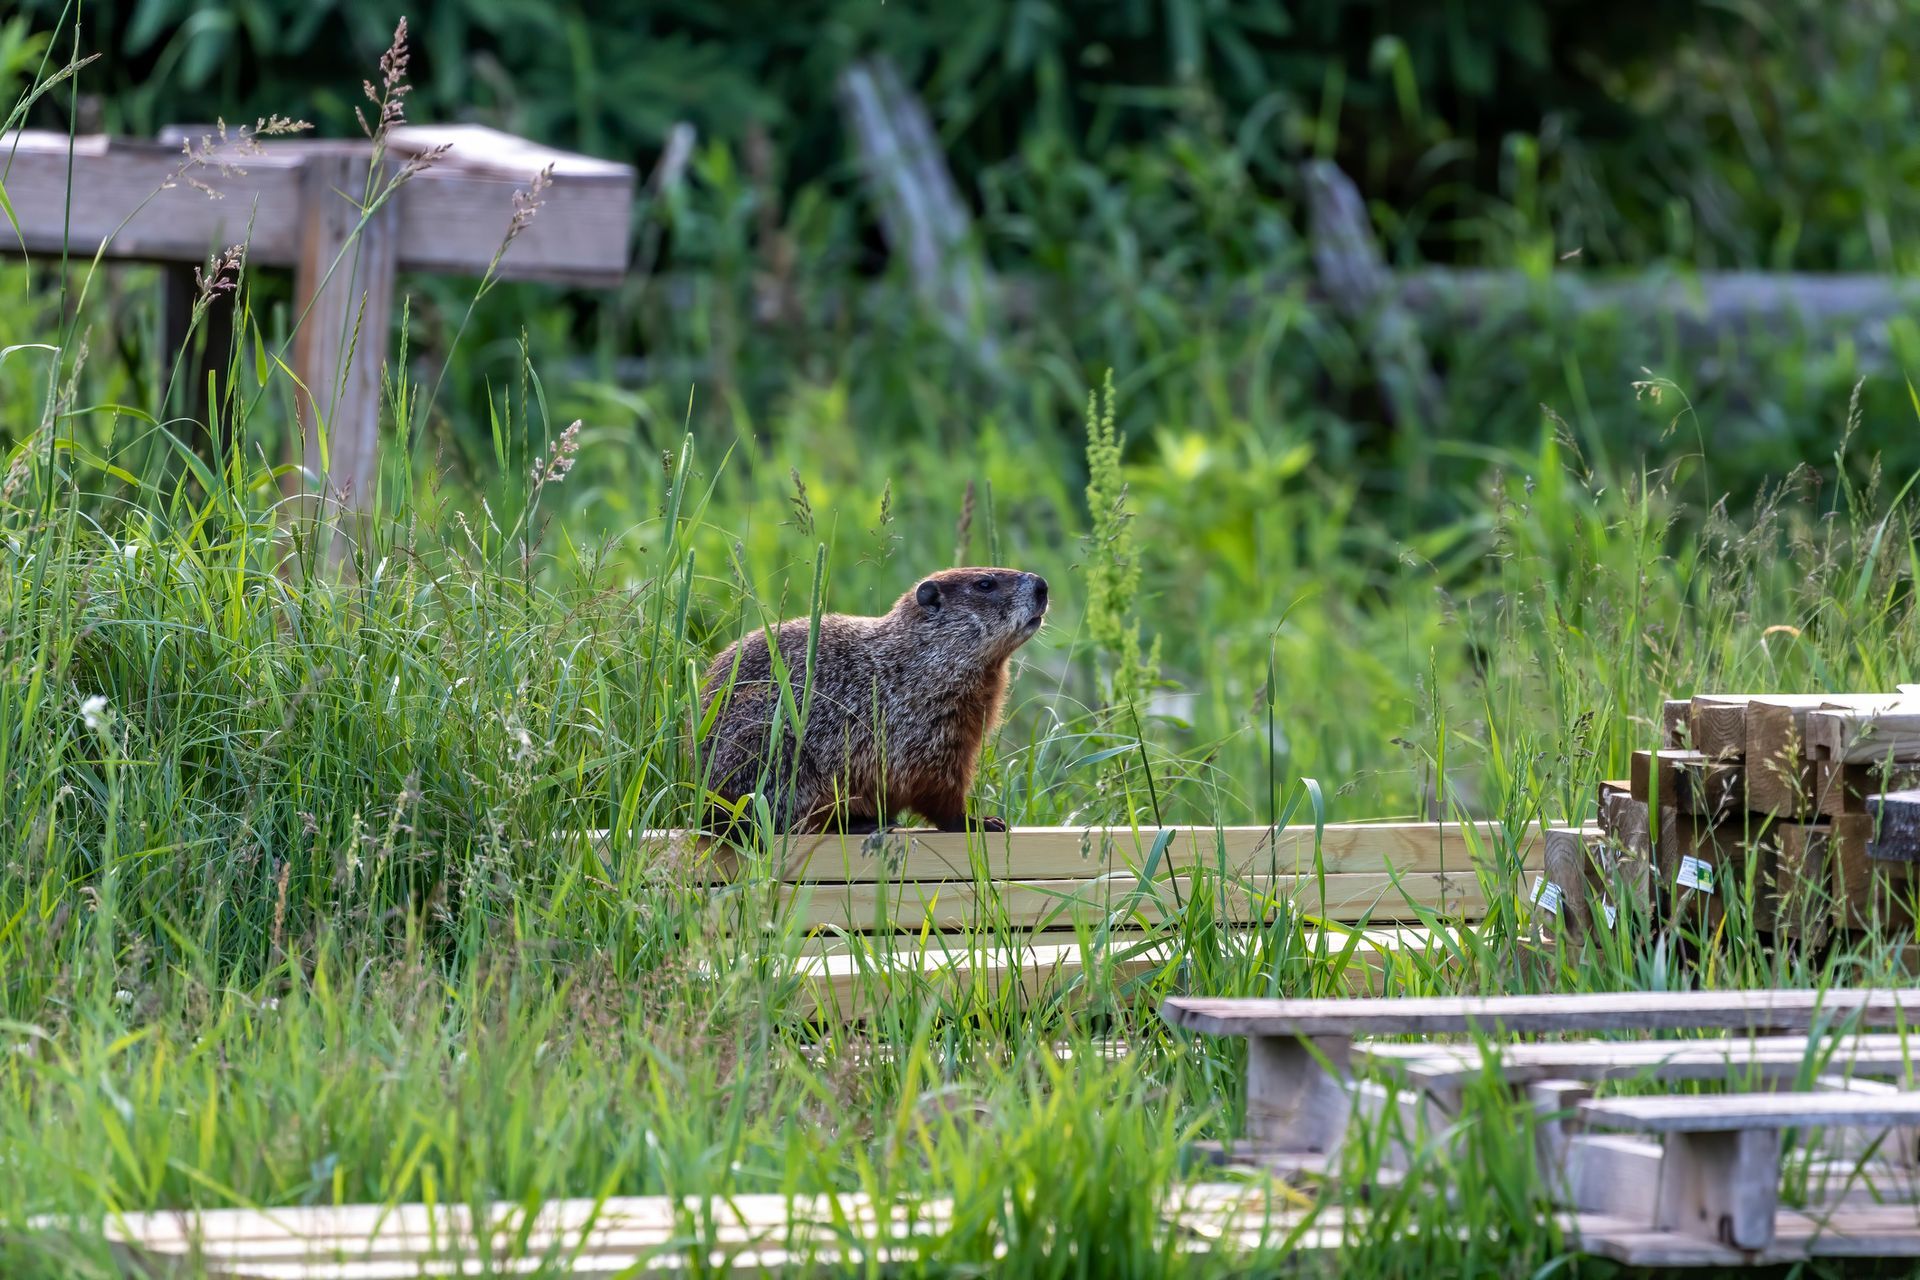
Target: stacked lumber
[[1042, 911], [1801, 811]]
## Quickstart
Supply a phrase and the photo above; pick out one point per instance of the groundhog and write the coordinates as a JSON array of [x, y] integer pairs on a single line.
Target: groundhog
[[900, 706]]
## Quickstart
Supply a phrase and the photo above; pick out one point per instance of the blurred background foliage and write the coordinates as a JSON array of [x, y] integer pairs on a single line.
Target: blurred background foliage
[[1136, 159]]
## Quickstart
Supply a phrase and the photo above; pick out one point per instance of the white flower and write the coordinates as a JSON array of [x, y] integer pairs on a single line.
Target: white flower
[[94, 712]]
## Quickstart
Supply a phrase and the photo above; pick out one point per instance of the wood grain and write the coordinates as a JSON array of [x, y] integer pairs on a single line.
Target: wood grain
[[1718, 1185], [1719, 724], [1776, 1010]]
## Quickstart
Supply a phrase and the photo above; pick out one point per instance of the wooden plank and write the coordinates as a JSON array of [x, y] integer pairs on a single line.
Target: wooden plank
[[1060, 853], [1777, 1010], [1719, 723], [1895, 836], [1296, 1094], [1733, 1112], [1027, 905], [1676, 724], [1584, 869], [861, 976], [1658, 778], [343, 307], [1608, 1173], [1803, 905], [1865, 737], [146, 201], [1866, 894], [1733, 1058], [1720, 1185]]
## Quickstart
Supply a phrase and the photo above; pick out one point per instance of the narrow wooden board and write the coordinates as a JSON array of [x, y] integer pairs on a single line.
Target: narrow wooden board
[[1027, 905], [1724, 1113], [1780, 776], [1739, 1057], [1776, 1010], [1062, 853], [141, 200]]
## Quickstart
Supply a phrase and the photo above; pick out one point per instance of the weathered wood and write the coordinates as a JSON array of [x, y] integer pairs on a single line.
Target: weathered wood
[[1774, 1010], [1878, 1231], [1444, 1067], [146, 201], [1612, 1174], [1297, 1096], [1587, 871], [1855, 1143], [1896, 826], [1736, 1112], [1353, 275], [346, 276], [922, 216], [1048, 853], [1865, 737], [1720, 1185], [1698, 864]]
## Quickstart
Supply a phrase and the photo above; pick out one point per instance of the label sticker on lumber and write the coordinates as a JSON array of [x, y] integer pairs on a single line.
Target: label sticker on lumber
[[1695, 874], [1546, 895], [1612, 915]]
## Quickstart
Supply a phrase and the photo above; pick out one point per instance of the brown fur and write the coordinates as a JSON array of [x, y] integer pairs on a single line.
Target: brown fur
[[900, 706]]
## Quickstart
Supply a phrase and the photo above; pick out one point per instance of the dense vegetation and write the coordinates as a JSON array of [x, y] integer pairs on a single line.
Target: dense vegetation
[[288, 911]]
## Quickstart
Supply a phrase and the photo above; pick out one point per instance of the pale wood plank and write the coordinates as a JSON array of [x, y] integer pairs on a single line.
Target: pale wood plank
[[1777, 1010], [1607, 1173], [1724, 1113], [1050, 853], [1865, 737], [140, 200], [1027, 905], [1739, 1057]]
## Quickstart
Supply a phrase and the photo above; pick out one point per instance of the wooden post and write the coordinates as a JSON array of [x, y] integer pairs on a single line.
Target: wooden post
[[343, 305], [1292, 1100], [1722, 1186]]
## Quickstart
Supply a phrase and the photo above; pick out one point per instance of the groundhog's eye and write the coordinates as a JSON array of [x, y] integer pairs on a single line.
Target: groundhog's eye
[[985, 584]]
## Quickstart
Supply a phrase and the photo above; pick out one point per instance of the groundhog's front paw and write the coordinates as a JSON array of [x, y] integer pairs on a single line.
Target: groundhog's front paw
[[992, 824]]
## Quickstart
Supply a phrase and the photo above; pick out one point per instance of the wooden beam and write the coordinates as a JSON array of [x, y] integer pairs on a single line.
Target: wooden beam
[[1058, 853], [1865, 737], [1778, 1010], [343, 291], [145, 201]]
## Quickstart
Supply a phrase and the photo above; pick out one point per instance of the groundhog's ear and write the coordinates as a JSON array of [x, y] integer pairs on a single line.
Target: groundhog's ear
[[928, 595]]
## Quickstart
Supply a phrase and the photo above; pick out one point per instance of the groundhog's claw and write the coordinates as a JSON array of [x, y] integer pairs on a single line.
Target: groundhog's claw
[[992, 824]]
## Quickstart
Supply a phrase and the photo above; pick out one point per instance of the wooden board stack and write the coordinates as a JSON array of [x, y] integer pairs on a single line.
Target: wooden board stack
[[1801, 811]]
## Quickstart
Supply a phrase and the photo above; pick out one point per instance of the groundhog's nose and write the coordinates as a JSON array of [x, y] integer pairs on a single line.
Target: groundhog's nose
[[1039, 590]]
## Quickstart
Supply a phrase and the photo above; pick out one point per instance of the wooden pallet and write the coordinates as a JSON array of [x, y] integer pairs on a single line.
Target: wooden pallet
[[1706, 1194]]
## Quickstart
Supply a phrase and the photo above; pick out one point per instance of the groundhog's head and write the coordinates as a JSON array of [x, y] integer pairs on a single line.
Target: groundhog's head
[[990, 612]]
